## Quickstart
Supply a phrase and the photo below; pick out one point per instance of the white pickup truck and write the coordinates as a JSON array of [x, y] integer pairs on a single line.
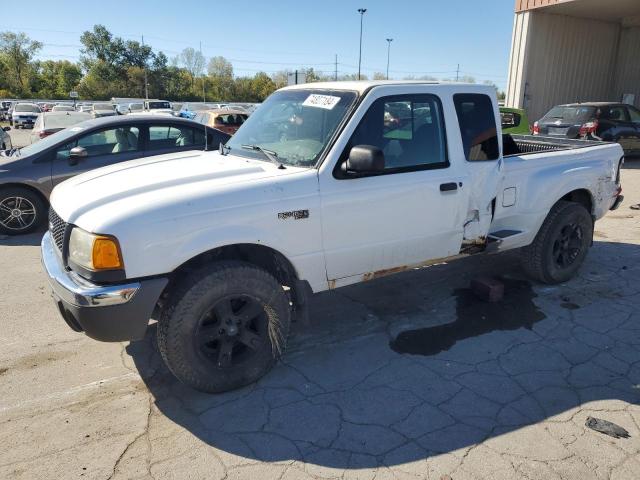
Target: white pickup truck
[[325, 185]]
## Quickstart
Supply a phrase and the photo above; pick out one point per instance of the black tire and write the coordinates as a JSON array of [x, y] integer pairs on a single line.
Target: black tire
[[561, 245], [191, 333], [33, 211]]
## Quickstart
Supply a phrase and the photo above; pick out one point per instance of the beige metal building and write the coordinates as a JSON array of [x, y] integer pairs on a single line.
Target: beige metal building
[[574, 50]]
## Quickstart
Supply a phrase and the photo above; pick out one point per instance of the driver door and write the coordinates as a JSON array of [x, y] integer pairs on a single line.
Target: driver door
[[410, 213], [104, 147]]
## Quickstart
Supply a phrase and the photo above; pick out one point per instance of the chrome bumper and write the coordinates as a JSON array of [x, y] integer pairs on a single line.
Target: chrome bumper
[[77, 291]]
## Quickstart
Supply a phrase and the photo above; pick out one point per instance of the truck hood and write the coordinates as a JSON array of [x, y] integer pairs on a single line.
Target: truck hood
[[154, 180]]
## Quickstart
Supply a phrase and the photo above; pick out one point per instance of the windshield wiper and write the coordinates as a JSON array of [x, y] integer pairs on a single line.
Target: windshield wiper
[[270, 154]]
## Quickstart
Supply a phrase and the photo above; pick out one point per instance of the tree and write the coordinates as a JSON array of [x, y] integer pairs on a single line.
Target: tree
[[379, 76], [99, 45], [17, 51], [193, 61], [220, 67]]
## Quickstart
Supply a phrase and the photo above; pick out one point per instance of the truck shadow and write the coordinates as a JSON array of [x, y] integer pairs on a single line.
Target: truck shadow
[[347, 396]]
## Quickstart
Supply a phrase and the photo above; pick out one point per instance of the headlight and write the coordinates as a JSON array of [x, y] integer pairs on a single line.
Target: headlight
[[94, 252]]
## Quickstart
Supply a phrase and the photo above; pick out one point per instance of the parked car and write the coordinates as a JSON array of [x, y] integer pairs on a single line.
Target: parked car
[[514, 121], [226, 120], [190, 109], [122, 108], [102, 110], [5, 139], [611, 122], [31, 172], [155, 107], [49, 123], [25, 115], [4, 109], [176, 107], [85, 108], [312, 193], [63, 108], [135, 107], [9, 115]]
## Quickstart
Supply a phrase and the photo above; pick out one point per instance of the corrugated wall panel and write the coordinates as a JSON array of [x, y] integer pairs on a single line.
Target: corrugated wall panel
[[517, 62], [523, 5], [628, 65], [568, 60]]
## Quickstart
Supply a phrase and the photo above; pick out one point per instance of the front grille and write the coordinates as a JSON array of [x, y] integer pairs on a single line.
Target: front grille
[[57, 227]]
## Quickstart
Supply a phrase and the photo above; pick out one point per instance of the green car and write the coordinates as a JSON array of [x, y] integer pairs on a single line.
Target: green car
[[514, 121]]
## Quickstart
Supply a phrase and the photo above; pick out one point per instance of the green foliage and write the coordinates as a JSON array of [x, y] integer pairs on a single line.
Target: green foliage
[[16, 54]]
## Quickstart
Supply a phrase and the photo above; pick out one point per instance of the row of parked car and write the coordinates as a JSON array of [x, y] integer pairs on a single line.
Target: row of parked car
[[606, 121]]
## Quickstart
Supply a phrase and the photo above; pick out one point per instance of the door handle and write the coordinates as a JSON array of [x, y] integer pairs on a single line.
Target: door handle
[[448, 187]]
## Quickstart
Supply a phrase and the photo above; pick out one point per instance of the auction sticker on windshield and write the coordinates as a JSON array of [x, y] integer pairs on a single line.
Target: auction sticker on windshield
[[321, 101]]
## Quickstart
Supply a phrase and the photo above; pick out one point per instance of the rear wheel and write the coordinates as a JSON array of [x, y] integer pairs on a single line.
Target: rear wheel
[[224, 327], [21, 211], [561, 245]]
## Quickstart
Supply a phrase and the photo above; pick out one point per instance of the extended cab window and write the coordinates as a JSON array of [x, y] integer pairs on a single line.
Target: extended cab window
[[408, 129], [477, 126], [175, 136]]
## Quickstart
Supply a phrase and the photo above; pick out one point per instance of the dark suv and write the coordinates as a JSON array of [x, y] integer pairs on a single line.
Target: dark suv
[[611, 122]]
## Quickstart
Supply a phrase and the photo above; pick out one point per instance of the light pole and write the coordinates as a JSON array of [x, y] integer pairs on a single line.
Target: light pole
[[389, 40], [361, 11]]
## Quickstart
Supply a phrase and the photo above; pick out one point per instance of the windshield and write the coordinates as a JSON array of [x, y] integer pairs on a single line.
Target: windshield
[[231, 119], [153, 105], [568, 114], [295, 124], [64, 120], [22, 107]]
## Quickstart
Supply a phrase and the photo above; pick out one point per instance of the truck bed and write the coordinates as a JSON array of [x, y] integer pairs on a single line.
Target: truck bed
[[527, 144]]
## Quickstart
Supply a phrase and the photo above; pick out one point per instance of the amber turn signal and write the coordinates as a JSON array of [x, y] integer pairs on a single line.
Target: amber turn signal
[[106, 255]]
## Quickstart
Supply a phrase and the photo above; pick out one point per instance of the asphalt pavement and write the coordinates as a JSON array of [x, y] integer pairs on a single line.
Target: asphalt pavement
[[407, 377]]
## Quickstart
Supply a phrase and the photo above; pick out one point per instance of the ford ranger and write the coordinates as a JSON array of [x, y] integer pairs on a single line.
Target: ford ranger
[[325, 185]]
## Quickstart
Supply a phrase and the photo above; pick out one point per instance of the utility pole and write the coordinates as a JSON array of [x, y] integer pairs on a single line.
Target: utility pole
[[361, 11], [389, 40], [457, 72], [146, 82], [335, 73], [204, 96]]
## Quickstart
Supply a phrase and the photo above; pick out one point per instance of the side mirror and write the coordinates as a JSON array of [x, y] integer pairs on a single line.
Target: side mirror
[[77, 153], [6, 129], [365, 159]]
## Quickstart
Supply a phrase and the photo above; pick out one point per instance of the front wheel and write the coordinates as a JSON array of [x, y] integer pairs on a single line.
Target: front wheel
[[561, 245], [21, 211], [224, 327]]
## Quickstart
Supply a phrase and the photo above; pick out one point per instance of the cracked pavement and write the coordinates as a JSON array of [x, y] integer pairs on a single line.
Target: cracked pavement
[[506, 404]]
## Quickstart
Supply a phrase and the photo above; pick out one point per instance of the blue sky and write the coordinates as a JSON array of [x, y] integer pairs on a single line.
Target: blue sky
[[430, 36]]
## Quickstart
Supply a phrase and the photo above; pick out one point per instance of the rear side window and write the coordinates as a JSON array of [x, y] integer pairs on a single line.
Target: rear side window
[[174, 136], [477, 126]]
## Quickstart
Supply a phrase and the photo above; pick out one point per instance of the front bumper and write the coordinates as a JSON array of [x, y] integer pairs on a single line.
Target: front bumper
[[110, 313]]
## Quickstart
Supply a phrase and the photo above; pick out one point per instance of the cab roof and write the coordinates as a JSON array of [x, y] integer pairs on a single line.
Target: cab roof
[[362, 86]]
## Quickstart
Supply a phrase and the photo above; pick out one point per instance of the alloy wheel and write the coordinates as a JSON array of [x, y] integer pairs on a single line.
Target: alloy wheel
[[17, 213], [232, 331], [568, 245]]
